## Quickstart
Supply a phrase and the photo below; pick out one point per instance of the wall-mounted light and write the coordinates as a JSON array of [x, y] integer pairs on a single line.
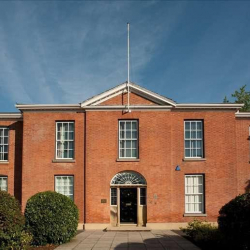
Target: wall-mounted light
[[177, 168]]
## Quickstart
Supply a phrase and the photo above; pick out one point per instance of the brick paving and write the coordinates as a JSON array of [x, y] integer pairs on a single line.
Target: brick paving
[[154, 240]]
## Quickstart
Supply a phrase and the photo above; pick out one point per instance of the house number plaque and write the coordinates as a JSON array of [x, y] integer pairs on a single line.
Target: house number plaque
[[103, 200]]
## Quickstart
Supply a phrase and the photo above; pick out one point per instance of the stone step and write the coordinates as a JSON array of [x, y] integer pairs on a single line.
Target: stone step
[[129, 228]]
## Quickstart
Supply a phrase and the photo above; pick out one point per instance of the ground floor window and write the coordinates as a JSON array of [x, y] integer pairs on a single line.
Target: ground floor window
[[3, 183], [143, 196], [113, 196], [194, 194], [65, 185]]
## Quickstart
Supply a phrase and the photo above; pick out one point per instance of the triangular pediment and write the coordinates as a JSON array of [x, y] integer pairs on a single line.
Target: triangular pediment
[[118, 96]]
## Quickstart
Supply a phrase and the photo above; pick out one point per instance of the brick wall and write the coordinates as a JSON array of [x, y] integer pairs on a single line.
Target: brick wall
[[13, 168], [39, 152], [161, 149]]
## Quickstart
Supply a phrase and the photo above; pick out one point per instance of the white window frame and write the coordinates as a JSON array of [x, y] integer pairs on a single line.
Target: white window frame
[[6, 187], [2, 152], [57, 186], [195, 194], [143, 196], [128, 139], [67, 140], [194, 139], [113, 196]]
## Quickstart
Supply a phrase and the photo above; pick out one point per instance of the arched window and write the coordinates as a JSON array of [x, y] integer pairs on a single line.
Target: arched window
[[128, 178]]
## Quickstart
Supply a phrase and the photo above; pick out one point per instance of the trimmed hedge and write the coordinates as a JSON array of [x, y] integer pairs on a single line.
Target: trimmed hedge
[[234, 221], [51, 217], [12, 234]]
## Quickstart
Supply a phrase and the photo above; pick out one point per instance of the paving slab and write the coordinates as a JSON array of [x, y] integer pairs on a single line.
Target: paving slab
[[154, 240]]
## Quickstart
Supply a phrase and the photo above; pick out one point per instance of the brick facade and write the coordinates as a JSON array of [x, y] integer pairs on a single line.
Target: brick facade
[[32, 166]]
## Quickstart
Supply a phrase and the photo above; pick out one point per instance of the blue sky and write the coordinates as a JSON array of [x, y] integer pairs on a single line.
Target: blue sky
[[68, 51]]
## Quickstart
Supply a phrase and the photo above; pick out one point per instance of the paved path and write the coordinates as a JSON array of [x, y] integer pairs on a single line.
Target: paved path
[[155, 240]]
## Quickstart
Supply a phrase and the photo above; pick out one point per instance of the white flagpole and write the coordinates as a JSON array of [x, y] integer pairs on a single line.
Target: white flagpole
[[128, 69]]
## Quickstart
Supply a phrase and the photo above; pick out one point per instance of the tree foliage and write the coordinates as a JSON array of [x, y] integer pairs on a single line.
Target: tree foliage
[[241, 96]]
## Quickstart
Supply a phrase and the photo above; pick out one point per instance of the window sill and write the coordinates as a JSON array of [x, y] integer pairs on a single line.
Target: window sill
[[194, 159], [194, 215], [63, 161], [127, 159], [4, 162]]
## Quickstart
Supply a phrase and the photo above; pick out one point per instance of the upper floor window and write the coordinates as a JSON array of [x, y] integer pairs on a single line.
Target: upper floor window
[[128, 139], [4, 143], [65, 185], [194, 194], [65, 140], [194, 139], [3, 183]]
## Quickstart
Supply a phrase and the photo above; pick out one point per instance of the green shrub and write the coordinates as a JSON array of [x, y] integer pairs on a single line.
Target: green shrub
[[12, 235], [234, 221], [51, 217], [204, 234]]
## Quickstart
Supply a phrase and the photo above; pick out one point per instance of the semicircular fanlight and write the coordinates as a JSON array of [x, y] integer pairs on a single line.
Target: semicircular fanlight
[[128, 178]]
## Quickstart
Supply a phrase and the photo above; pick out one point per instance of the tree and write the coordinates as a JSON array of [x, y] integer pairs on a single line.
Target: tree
[[241, 96]]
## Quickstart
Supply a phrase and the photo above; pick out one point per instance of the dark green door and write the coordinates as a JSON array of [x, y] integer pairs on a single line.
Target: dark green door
[[128, 203]]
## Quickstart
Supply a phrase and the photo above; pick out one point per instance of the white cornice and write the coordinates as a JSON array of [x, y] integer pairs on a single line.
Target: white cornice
[[48, 106], [242, 114], [209, 106], [124, 107], [11, 116]]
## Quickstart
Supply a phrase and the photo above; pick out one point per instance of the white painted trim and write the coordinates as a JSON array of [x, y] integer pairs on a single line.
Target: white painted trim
[[155, 96], [133, 89], [103, 95], [209, 105], [242, 114], [11, 116], [47, 106]]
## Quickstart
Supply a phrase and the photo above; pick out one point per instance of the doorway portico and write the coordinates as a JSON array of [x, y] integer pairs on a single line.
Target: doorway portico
[[128, 201]]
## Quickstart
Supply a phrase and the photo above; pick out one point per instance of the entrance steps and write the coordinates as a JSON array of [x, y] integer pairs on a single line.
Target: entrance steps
[[127, 228]]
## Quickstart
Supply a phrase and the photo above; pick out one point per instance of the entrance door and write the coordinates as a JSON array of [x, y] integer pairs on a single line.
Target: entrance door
[[128, 203]]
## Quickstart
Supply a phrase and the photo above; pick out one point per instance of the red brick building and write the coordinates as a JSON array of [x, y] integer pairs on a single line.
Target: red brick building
[[150, 162]]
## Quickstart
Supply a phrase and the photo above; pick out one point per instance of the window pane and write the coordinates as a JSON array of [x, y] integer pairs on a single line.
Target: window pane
[[71, 154], [187, 134], [193, 134], [122, 134], [71, 127], [128, 134], [128, 125], [199, 153], [128, 152], [187, 125], [199, 134], [122, 152], [122, 144], [71, 135], [134, 125], [128, 144], [122, 125], [193, 125], [134, 144], [187, 144], [134, 152], [187, 152], [199, 125], [134, 134]]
